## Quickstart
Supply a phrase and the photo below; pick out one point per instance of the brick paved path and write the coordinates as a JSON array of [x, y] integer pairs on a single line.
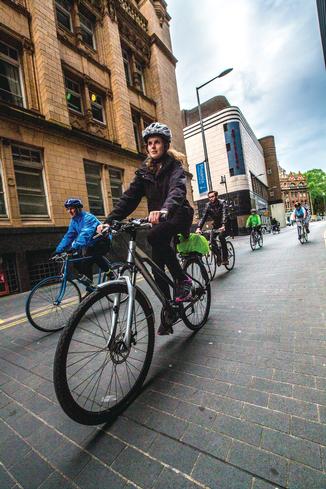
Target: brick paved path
[[240, 405]]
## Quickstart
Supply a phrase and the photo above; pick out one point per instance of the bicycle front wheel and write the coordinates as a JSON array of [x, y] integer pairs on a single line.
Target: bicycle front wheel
[[260, 241], [231, 255], [253, 241], [195, 313], [209, 261], [44, 310], [96, 375]]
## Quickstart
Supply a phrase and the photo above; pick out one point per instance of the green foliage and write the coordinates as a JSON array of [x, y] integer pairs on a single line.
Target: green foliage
[[316, 180]]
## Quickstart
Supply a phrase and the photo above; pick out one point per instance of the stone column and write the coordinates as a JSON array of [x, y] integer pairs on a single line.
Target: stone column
[[29, 76], [48, 62]]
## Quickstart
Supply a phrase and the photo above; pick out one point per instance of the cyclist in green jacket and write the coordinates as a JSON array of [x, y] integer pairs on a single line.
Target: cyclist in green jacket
[[254, 221]]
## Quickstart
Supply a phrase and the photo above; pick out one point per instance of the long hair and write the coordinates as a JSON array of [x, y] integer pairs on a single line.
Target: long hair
[[150, 163]]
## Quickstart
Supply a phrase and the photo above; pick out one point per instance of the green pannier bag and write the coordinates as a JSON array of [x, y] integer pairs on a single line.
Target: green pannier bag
[[196, 243]]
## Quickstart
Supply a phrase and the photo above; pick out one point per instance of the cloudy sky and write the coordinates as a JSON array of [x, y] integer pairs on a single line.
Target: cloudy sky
[[279, 76]]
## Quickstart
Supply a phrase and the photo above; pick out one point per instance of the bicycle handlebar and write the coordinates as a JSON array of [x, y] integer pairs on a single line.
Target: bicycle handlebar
[[131, 224]]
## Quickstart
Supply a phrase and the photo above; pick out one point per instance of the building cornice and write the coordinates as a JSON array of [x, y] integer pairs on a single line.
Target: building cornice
[[26, 117], [165, 50]]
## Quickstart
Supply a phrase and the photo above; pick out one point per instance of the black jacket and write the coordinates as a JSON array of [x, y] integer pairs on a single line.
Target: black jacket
[[165, 190], [215, 211]]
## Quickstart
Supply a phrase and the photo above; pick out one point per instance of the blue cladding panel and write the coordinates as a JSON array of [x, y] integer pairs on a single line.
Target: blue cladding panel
[[234, 148]]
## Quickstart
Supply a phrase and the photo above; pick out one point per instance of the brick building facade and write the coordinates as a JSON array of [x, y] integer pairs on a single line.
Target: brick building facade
[[294, 189], [79, 82]]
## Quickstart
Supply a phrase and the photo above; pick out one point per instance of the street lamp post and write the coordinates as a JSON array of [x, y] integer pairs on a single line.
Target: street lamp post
[[223, 181], [208, 172]]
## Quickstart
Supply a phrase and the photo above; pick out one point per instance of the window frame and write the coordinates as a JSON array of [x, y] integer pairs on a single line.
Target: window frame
[[121, 171], [79, 83], [18, 65], [97, 94], [98, 166], [87, 15], [36, 165], [3, 193], [127, 66], [64, 11]]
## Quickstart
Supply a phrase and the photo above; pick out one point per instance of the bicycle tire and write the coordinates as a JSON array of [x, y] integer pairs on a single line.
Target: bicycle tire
[[231, 256], [252, 242], [260, 241], [35, 313], [98, 411], [201, 276], [209, 261]]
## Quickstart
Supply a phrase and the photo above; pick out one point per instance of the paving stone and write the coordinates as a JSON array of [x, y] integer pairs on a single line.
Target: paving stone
[[223, 405], [6, 481], [293, 406], [4, 400], [96, 475], [323, 457], [75, 431], [216, 474], [294, 378], [294, 448], [301, 477], [249, 395], [132, 433], [264, 464], [309, 395], [271, 386], [185, 393], [27, 424], [12, 412], [171, 480], [158, 401], [166, 424], [69, 459], [45, 439], [241, 430], [320, 383], [173, 453], [31, 470], [13, 449], [56, 481], [37, 404], [267, 417], [208, 441], [195, 414], [105, 447], [259, 484], [322, 413], [137, 467], [306, 429]]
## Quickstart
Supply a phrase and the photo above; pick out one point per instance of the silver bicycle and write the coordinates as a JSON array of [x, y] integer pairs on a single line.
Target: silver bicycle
[[105, 351]]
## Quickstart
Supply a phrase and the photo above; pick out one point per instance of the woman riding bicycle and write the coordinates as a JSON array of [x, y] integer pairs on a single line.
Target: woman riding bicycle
[[162, 180]]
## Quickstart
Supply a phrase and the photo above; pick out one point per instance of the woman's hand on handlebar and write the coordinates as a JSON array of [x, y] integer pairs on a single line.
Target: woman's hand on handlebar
[[156, 216], [101, 228]]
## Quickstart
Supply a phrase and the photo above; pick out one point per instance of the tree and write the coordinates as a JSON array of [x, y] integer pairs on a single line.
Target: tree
[[316, 180]]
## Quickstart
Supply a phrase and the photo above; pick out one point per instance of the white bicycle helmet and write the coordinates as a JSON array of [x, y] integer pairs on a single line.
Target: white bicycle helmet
[[157, 129]]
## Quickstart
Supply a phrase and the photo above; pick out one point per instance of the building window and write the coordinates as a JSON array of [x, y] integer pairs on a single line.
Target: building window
[[137, 130], [97, 105], [139, 71], [87, 27], [116, 180], [29, 182], [225, 127], [63, 12], [127, 66], [94, 188], [10, 81], [228, 147], [73, 95], [3, 212]]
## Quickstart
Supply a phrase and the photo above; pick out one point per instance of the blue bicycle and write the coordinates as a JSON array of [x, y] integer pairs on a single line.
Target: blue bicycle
[[52, 301]]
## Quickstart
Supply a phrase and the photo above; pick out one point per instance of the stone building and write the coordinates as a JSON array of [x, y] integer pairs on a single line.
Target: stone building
[[79, 80], [294, 189], [248, 166]]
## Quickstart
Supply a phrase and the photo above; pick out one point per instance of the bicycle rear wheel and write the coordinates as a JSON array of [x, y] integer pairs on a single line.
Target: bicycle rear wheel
[[95, 374], [43, 312], [209, 261], [231, 255], [195, 313]]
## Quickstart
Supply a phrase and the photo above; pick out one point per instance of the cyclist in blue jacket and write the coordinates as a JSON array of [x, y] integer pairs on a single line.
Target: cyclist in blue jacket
[[79, 238]]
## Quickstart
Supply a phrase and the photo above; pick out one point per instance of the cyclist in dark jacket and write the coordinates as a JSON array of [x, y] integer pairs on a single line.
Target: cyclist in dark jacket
[[79, 239], [162, 180], [216, 211]]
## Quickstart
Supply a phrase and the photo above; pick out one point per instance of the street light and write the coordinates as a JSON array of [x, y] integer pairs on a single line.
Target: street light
[[223, 182], [208, 173]]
